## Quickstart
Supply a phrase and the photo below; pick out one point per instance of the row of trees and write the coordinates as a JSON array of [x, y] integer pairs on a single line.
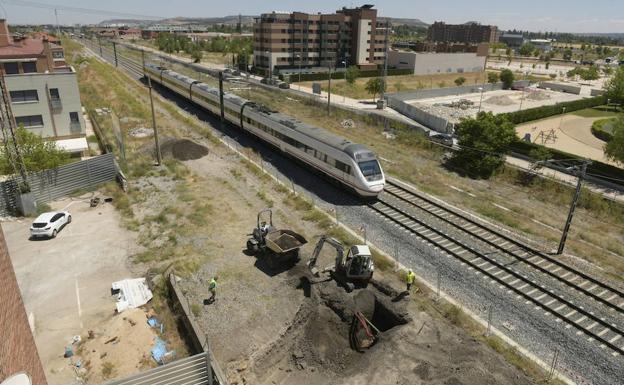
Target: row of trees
[[241, 48]]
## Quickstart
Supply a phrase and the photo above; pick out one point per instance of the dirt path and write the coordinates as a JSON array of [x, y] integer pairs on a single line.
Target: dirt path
[[571, 134]]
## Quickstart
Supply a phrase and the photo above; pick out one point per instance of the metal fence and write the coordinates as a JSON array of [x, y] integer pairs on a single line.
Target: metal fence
[[59, 182]]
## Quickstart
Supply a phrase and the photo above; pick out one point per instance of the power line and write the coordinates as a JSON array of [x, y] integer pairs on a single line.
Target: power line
[[89, 11]]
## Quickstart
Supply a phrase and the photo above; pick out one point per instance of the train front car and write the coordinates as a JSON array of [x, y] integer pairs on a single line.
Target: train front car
[[368, 176]]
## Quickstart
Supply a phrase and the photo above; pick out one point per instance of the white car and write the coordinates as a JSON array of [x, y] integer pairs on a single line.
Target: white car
[[49, 224]]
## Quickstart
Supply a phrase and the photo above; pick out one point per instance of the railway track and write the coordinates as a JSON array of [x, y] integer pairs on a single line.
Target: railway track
[[595, 327]]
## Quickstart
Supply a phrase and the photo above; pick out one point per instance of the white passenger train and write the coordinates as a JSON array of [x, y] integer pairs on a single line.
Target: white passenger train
[[351, 164]]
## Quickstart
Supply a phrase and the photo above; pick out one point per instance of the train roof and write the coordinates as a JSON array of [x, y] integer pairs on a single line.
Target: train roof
[[314, 132]]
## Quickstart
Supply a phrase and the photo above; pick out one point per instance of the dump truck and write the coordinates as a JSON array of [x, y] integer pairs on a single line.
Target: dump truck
[[277, 246]]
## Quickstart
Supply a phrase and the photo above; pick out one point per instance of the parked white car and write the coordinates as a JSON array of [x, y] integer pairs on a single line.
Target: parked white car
[[49, 224]]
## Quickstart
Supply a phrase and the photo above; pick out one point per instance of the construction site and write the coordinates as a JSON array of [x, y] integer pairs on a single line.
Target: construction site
[[455, 107]]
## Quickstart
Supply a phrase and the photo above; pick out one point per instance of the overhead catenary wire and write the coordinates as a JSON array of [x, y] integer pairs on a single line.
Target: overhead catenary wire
[[81, 10]]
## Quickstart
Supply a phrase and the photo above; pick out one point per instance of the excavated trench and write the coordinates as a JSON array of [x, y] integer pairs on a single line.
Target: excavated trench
[[318, 338]]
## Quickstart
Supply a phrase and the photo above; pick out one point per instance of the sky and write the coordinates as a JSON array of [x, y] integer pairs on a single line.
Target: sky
[[532, 15]]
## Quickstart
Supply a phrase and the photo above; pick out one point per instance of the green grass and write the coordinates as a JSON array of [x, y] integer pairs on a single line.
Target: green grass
[[597, 112]]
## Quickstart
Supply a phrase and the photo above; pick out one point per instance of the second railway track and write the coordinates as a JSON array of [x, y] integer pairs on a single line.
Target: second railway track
[[575, 315]]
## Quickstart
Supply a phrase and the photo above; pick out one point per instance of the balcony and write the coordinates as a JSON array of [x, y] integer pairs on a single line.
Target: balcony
[[56, 104]]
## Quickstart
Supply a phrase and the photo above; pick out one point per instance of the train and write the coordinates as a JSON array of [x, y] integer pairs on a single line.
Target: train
[[352, 165]]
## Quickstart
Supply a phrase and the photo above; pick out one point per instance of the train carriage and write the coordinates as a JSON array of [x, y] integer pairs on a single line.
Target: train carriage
[[351, 164]]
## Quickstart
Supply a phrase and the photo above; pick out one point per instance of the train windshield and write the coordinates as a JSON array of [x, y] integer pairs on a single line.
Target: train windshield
[[370, 168]]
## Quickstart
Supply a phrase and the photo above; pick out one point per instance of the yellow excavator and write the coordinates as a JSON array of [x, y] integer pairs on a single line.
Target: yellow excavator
[[354, 270]]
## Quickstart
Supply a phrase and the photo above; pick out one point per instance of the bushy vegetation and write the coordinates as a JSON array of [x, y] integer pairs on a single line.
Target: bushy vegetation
[[598, 129], [483, 141], [590, 73], [37, 154], [340, 75], [241, 48], [546, 111], [507, 77], [615, 147]]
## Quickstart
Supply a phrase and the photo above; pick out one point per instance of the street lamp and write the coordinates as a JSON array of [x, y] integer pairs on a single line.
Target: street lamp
[[344, 98], [299, 58], [562, 115], [269, 62], [521, 99], [481, 99]]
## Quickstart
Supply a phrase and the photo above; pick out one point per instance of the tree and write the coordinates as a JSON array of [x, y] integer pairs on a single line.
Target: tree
[[507, 77], [590, 74], [526, 49], [614, 149], [483, 142], [37, 154], [567, 54], [553, 76], [353, 72], [492, 77], [459, 81], [614, 89], [197, 54], [374, 86]]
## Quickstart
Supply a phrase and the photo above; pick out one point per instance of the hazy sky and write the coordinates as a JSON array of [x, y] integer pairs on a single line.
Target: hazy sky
[[534, 15]]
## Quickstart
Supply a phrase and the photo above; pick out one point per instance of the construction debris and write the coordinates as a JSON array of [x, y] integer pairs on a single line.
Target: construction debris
[[131, 293], [348, 123]]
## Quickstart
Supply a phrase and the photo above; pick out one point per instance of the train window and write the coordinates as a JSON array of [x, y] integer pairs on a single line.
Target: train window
[[370, 168]]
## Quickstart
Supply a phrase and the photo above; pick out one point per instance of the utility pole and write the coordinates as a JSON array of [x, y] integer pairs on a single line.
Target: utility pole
[[158, 153], [329, 75], [143, 60], [385, 66], [115, 53], [577, 193], [221, 97], [58, 28], [100, 44]]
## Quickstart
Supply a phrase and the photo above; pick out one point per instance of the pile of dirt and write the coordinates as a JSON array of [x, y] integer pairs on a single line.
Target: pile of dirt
[[502, 100], [183, 149], [538, 95], [317, 341]]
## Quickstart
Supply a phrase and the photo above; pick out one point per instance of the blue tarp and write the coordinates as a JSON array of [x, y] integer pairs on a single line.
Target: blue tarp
[[159, 350]]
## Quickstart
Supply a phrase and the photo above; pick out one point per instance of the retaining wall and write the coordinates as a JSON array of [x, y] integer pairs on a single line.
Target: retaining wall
[[561, 87]]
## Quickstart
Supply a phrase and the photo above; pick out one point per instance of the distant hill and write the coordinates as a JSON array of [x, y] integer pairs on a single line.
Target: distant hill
[[227, 20], [409, 22]]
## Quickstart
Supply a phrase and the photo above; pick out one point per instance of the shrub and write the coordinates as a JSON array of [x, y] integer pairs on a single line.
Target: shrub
[[599, 132], [546, 111]]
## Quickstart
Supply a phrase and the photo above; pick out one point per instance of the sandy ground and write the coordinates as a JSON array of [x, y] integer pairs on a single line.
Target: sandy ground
[[120, 346], [497, 102], [65, 282], [571, 134]]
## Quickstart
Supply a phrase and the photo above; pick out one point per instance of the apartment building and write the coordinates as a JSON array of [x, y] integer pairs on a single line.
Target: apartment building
[[472, 33], [43, 89], [351, 36]]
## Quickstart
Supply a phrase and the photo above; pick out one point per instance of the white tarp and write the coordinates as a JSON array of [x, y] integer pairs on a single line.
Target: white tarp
[[132, 293], [73, 145]]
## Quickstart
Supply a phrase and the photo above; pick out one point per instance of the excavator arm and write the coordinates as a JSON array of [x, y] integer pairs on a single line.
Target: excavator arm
[[317, 251]]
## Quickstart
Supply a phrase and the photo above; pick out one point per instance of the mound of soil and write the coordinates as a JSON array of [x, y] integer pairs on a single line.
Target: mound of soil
[[502, 100], [538, 95], [183, 149], [317, 341]]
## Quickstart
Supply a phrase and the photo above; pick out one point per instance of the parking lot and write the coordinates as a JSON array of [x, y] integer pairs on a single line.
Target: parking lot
[[66, 281]]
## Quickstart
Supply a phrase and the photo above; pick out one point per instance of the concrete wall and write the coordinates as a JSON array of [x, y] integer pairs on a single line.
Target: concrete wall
[[425, 118], [18, 352], [429, 63], [56, 123], [561, 87], [596, 92]]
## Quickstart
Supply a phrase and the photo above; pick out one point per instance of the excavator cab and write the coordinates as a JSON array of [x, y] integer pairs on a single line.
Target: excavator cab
[[355, 268], [358, 265]]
